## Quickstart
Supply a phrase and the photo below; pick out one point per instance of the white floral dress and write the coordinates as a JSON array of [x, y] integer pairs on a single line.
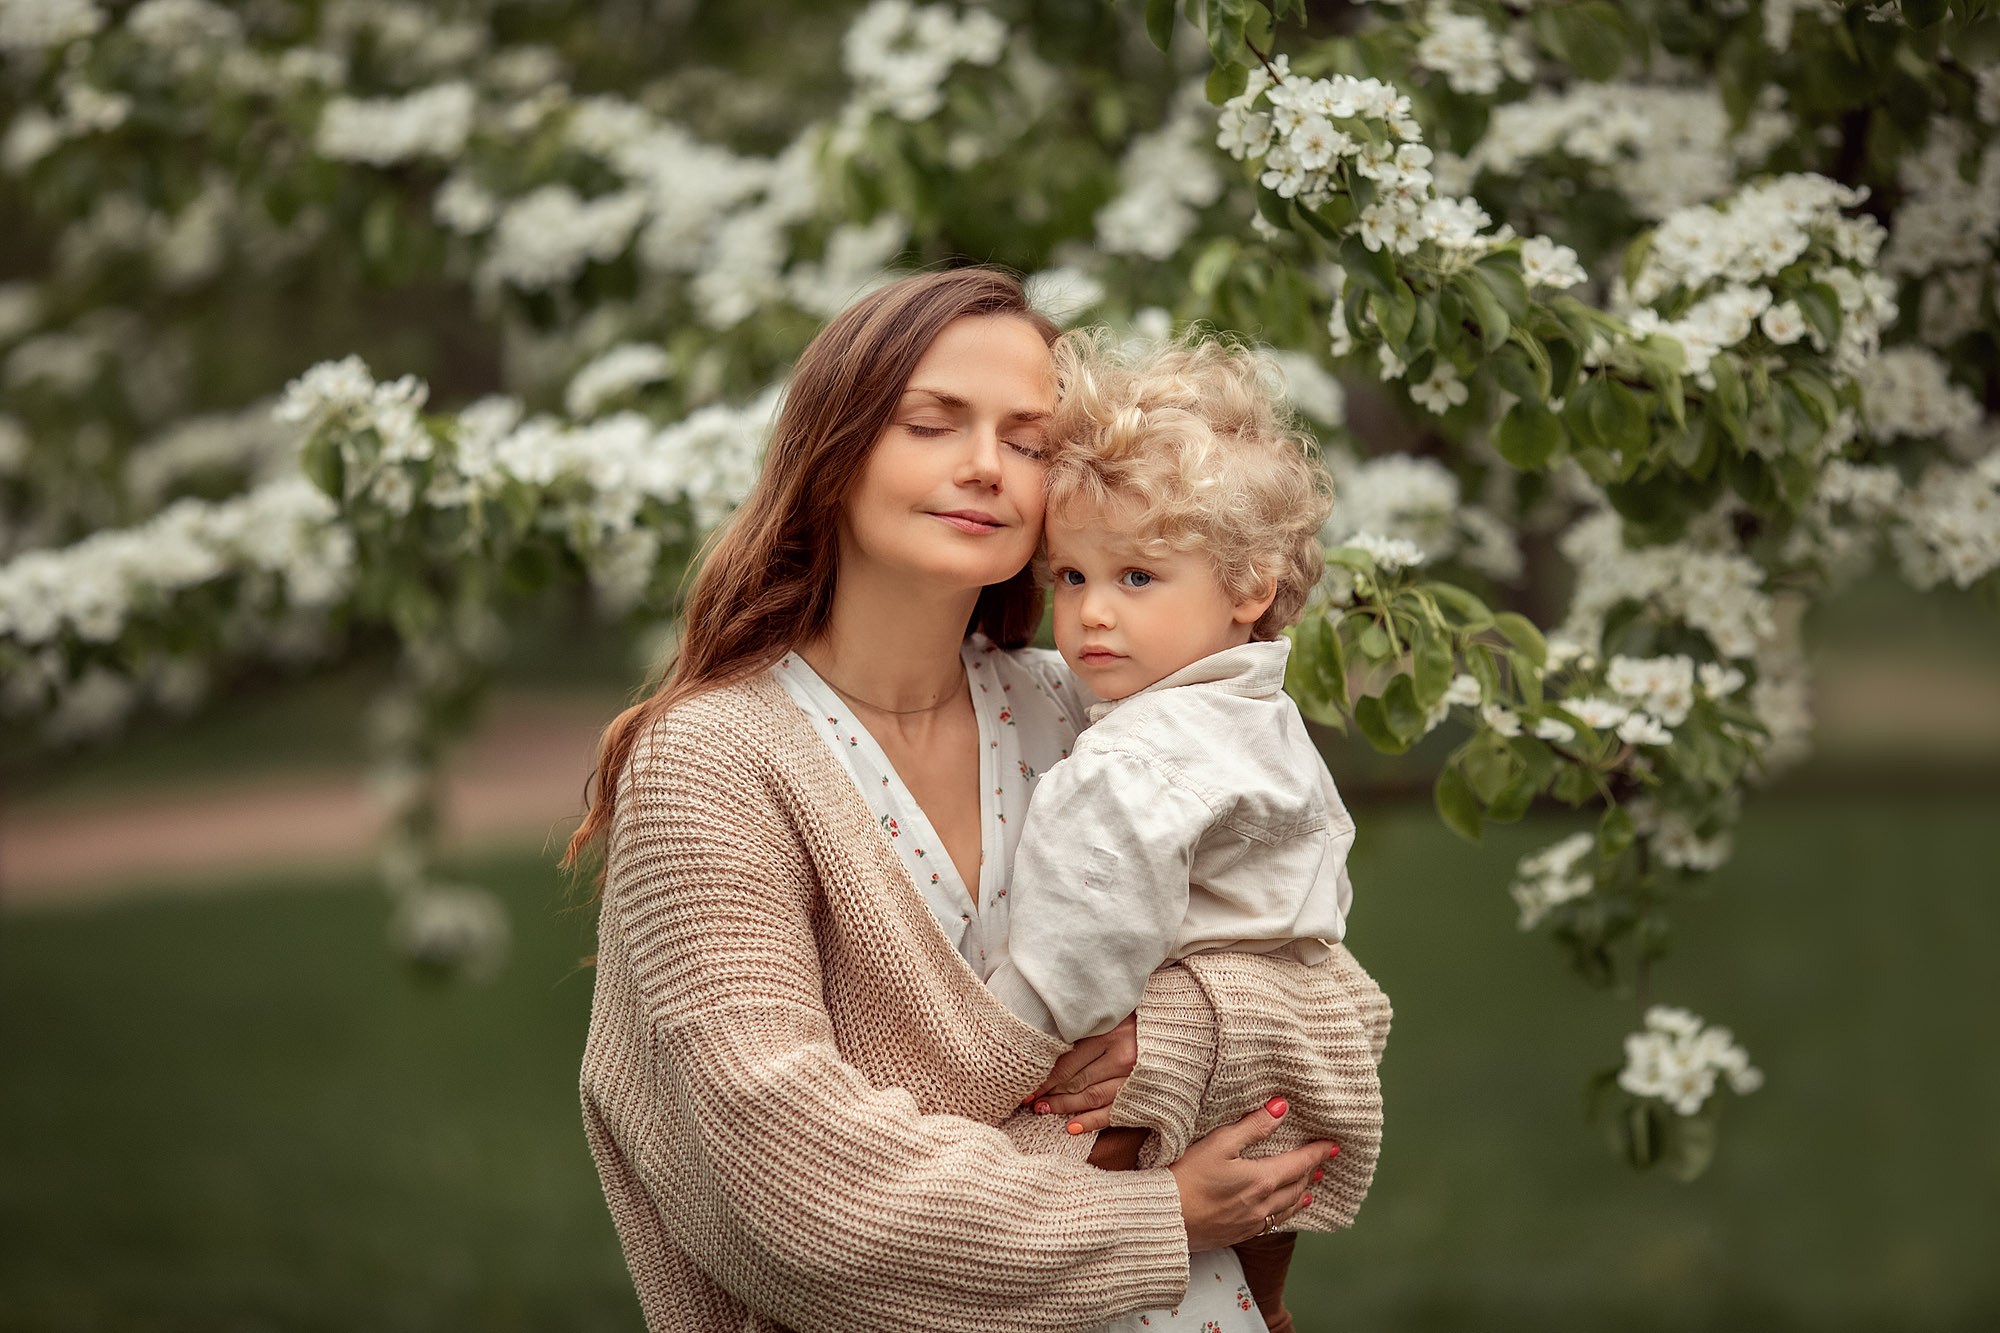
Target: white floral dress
[[1029, 708]]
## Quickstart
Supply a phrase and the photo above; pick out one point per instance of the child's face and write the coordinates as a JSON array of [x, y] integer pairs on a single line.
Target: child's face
[[1124, 620]]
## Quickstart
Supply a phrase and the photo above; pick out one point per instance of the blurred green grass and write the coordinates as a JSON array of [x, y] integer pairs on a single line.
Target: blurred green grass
[[237, 1111]]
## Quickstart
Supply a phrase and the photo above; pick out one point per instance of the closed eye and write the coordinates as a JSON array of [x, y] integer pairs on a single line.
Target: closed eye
[[926, 432]]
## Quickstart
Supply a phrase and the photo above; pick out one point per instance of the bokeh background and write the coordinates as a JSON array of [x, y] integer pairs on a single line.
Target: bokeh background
[[230, 1099]]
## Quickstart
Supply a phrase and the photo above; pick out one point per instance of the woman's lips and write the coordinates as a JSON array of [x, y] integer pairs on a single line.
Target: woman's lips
[[970, 523]]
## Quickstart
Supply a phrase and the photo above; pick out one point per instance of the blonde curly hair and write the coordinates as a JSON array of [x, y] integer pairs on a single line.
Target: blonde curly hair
[[1195, 433]]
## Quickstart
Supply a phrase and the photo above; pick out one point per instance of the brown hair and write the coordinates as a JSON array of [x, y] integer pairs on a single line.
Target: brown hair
[[766, 580]]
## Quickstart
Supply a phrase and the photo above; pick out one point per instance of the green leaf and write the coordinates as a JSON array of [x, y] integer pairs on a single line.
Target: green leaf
[[1470, 612], [1614, 832], [323, 464], [1226, 80], [1529, 436], [1433, 667], [1316, 672], [1398, 314], [1160, 22], [1820, 304], [1590, 38], [1374, 725], [1493, 322], [1619, 419], [1399, 706], [1518, 630], [1374, 643], [1456, 804]]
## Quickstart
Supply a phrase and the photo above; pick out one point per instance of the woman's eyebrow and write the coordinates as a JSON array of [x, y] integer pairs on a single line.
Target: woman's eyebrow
[[958, 404]]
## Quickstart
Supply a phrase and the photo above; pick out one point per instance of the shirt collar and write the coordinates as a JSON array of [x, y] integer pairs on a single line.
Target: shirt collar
[[1255, 670]]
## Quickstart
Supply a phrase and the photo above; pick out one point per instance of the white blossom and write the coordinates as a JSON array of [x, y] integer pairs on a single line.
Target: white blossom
[[1389, 553], [1441, 392], [1677, 1058], [617, 371], [1552, 876], [433, 122], [34, 25]]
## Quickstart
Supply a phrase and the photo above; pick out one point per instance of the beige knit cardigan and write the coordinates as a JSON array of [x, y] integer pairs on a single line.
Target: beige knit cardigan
[[804, 1105]]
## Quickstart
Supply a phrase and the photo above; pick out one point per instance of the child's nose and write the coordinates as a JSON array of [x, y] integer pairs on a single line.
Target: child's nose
[[1096, 610]]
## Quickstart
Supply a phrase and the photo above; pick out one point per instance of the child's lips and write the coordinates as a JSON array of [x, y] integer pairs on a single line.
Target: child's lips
[[1098, 656]]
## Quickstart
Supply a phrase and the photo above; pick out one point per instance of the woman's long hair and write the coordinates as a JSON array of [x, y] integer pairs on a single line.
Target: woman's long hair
[[766, 581]]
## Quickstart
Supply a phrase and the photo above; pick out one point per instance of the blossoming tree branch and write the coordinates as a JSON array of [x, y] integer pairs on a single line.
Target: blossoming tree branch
[[1704, 299]]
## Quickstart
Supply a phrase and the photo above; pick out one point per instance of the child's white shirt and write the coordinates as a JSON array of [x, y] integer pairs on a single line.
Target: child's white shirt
[[1193, 815]]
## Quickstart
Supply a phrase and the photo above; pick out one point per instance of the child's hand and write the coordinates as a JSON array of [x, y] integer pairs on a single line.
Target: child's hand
[[1087, 1078]]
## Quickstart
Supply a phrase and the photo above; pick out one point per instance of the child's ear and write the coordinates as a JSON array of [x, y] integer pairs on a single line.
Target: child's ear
[[1251, 609]]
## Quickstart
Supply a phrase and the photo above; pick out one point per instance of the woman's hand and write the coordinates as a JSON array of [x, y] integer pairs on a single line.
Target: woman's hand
[[1226, 1198], [1087, 1078]]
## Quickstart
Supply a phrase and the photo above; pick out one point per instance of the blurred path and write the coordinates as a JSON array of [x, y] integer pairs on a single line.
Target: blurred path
[[519, 779]]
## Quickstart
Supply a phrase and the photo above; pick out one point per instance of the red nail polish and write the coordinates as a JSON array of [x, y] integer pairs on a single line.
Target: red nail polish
[[1277, 1107], [1076, 1127], [1306, 1201], [1334, 1151], [1319, 1174], [1041, 1108]]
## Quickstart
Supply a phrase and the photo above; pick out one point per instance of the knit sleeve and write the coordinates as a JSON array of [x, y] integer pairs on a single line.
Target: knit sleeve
[[1221, 1033], [815, 1198]]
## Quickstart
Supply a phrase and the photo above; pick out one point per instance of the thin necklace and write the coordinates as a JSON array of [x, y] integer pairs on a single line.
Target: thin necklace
[[949, 697]]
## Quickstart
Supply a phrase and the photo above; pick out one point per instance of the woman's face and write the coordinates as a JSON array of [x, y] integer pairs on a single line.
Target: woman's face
[[952, 492]]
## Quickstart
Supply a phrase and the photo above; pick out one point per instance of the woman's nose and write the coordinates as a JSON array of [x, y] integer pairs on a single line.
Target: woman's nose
[[980, 464]]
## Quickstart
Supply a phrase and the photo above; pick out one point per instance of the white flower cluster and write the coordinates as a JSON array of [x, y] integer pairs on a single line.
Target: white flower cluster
[[36, 25], [284, 528], [452, 928], [1164, 181], [1307, 154], [184, 29], [1664, 149], [547, 236], [1472, 58], [1718, 592], [342, 394], [1418, 500], [899, 54], [432, 122], [1907, 392], [1554, 875], [618, 371], [1673, 839], [1727, 252], [1950, 524], [1389, 553], [1945, 218], [247, 443], [1677, 1058]]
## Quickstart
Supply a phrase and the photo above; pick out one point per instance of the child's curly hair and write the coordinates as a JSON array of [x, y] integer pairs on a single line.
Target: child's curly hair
[[1196, 431]]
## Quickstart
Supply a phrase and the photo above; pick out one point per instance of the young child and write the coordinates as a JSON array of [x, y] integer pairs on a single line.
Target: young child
[[1194, 814]]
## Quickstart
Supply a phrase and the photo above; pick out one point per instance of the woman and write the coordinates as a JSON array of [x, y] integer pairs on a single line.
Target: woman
[[793, 1070]]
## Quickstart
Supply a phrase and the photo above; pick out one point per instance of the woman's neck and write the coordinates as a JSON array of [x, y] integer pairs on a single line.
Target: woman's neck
[[889, 642]]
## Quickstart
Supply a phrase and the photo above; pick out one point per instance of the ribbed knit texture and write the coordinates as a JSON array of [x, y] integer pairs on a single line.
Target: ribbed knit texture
[[791, 1075]]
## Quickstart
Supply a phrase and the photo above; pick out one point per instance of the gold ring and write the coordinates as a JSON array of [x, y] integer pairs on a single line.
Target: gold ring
[[1269, 1224]]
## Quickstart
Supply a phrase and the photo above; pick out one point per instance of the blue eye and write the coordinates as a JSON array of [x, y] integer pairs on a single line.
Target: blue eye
[[1072, 578], [1138, 578]]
